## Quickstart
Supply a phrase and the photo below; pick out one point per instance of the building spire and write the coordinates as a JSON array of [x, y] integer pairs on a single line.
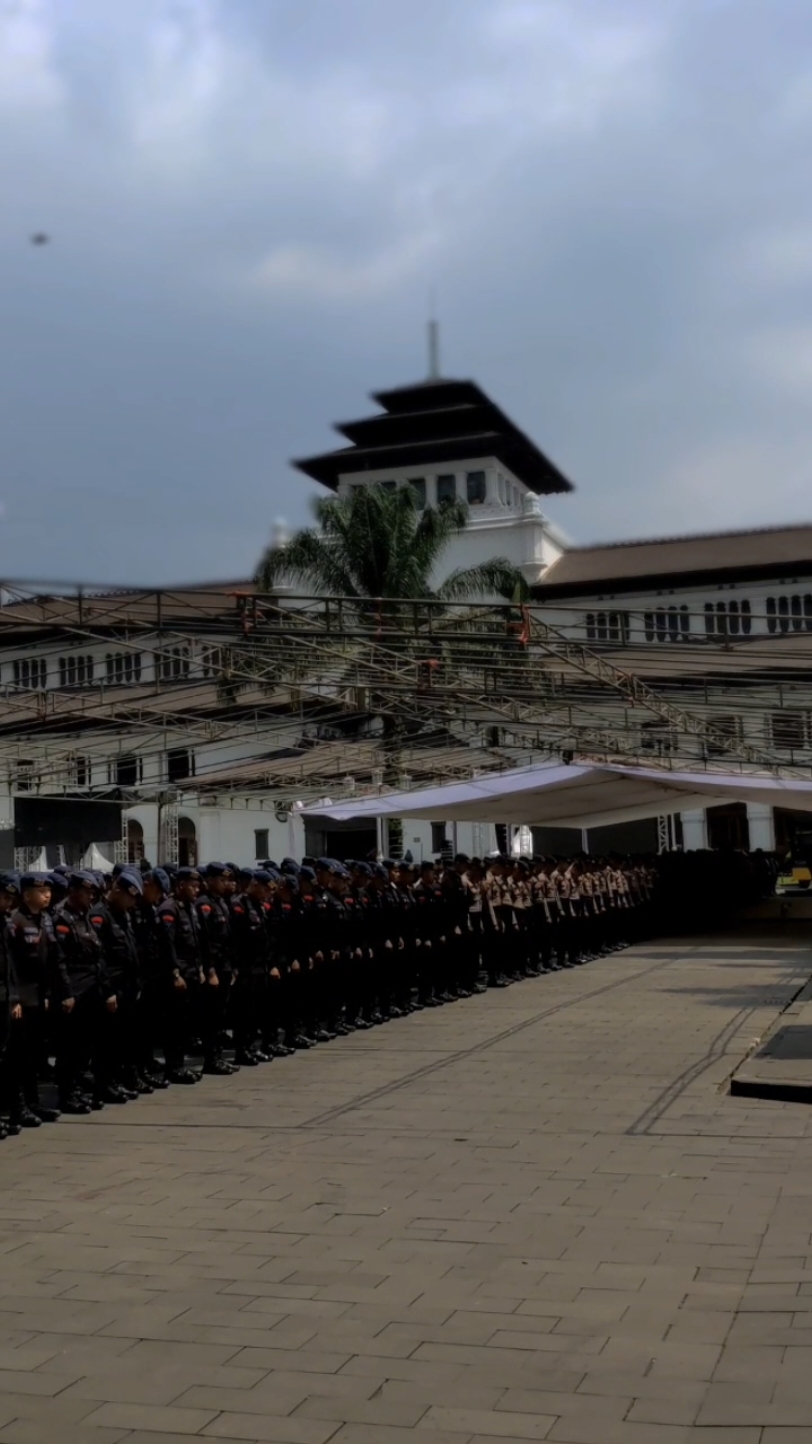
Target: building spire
[[434, 340]]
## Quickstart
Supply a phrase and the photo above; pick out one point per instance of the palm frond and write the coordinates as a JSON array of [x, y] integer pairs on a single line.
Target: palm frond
[[493, 578]]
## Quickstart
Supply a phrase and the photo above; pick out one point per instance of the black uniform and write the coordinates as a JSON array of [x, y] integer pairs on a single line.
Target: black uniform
[[214, 928], [251, 953], [9, 999], [41, 980], [123, 968], [84, 1036], [181, 972]]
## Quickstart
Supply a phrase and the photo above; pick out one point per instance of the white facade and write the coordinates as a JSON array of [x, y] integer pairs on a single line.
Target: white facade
[[505, 518], [151, 763]]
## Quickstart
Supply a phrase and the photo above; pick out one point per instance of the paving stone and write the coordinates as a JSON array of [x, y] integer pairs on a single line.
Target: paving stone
[[567, 1228]]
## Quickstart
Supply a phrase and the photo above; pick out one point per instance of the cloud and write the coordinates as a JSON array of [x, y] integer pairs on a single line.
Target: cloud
[[29, 80], [318, 273], [249, 205]]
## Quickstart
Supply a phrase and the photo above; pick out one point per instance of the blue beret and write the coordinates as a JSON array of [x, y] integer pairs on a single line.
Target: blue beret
[[10, 881], [58, 880], [363, 868], [131, 881], [263, 875], [77, 878], [34, 879], [330, 865], [308, 873], [216, 869], [289, 865], [187, 874], [378, 870], [159, 875]]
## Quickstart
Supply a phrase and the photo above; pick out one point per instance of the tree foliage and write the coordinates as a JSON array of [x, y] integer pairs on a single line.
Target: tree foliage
[[377, 543]]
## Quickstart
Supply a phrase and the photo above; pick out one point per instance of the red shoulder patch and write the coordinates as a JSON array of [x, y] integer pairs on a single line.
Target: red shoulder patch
[[97, 922], [60, 927]]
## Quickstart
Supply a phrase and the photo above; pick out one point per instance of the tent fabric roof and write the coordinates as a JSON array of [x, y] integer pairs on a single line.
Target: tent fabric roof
[[579, 795]]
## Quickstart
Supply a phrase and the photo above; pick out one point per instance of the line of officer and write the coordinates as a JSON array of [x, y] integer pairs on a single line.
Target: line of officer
[[127, 980]]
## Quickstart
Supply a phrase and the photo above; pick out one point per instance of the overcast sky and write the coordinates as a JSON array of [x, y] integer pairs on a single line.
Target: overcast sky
[[250, 200]]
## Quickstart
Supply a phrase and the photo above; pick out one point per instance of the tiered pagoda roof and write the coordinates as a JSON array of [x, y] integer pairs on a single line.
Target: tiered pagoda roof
[[431, 423]]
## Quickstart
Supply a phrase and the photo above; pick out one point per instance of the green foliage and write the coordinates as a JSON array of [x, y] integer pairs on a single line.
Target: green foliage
[[378, 544]]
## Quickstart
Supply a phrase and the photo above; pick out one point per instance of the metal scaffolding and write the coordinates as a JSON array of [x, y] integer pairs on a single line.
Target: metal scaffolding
[[229, 665]]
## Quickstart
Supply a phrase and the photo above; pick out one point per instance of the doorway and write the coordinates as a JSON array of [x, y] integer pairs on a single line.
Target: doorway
[[187, 842], [728, 828]]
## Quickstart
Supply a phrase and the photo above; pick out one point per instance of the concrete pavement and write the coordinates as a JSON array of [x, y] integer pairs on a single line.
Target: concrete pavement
[[533, 1215]]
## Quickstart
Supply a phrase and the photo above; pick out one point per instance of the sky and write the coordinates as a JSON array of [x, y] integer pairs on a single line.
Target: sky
[[250, 202]]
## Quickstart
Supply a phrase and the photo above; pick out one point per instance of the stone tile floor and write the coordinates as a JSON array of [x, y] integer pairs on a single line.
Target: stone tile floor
[[532, 1215]]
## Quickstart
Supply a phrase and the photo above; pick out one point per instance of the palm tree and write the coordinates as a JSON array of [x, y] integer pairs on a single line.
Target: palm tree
[[378, 551], [377, 544]]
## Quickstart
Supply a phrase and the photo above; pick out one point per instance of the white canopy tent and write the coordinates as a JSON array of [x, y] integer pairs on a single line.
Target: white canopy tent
[[580, 795]]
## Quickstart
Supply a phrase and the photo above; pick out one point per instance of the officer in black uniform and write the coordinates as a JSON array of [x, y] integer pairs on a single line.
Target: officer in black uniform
[[112, 919], [151, 1013], [313, 909], [214, 918], [251, 954], [334, 945], [182, 973], [87, 1000], [41, 982], [9, 996]]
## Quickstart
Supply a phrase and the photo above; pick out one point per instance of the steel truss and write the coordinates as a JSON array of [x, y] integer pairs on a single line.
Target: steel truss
[[420, 666]]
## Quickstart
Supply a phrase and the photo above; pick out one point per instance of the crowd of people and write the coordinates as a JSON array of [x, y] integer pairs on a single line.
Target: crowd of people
[[113, 986]]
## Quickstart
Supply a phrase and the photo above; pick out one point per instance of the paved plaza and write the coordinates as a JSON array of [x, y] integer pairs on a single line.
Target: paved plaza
[[533, 1215]]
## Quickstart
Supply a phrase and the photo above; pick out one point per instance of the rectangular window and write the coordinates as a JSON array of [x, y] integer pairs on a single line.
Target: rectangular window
[[25, 775], [174, 664], [122, 667], [725, 727], [438, 836], [446, 489], [788, 730], [31, 674], [81, 771], [260, 843], [786, 612], [388, 485], [607, 627], [418, 485], [730, 619], [127, 770], [180, 763], [648, 626], [658, 738], [75, 670], [475, 488], [210, 664]]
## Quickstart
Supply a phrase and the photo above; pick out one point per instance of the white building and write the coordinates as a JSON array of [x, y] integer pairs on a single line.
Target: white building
[[143, 722]]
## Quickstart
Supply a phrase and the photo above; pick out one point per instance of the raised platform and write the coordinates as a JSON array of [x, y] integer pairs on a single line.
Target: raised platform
[[781, 1066]]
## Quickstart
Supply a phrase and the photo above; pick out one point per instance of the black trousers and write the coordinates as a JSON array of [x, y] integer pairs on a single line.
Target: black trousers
[[84, 1042], [181, 1005], [19, 1066]]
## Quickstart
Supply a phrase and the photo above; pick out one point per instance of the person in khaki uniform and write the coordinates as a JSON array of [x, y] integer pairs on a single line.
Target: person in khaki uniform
[[549, 914], [498, 914]]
